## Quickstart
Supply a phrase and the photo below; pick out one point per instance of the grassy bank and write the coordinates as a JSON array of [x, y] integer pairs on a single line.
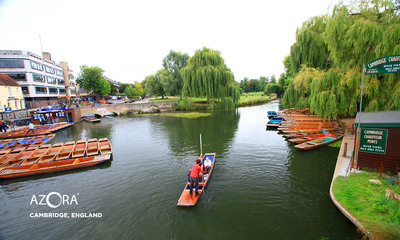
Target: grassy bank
[[190, 104], [367, 201]]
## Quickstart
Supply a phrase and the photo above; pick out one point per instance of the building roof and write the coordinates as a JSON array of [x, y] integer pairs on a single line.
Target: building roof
[[6, 80], [378, 118]]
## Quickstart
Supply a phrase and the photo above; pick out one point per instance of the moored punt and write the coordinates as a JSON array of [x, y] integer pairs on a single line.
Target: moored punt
[[185, 199], [318, 142], [271, 114], [91, 119], [105, 146], [92, 147], [53, 166], [22, 156], [36, 155], [10, 155], [274, 122], [39, 130], [51, 154], [79, 149], [65, 151], [309, 137]]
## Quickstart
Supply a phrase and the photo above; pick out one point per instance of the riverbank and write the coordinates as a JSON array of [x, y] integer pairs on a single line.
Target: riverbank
[[363, 202]]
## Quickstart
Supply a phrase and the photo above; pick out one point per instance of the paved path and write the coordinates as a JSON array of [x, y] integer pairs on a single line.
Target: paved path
[[343, 168]]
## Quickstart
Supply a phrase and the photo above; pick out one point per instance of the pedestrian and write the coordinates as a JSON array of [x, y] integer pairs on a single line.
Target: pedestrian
[[31, 127], [51, 118], [4, 124], [194, 178], [1, 126]]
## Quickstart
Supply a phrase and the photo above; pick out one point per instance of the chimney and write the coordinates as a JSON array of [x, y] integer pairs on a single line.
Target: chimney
[[46, 55]]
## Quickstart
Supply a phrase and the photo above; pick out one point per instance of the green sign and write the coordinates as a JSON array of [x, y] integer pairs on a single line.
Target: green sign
[[373, 140], [389, 64]]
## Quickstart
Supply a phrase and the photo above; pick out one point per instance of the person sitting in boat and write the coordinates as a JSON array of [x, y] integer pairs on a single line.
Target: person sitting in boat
[[207, 165], [194, 178]]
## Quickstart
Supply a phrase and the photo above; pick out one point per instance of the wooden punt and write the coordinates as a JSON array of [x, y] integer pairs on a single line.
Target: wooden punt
[[274, 122], [318, 142], [91, 119], [105, 146], [185, 199], [10, 155], [65, 151], [22, 156], [79, 149], [92, 147], [309, 137], [37, 155], [271, 114], [53, 166], [51, 154]]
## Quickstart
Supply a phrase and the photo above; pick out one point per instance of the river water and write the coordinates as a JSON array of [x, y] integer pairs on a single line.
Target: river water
[[261, 187]]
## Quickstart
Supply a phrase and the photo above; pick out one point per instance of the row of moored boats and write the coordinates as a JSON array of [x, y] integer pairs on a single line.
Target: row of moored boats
[[307, 130], [35, 159]]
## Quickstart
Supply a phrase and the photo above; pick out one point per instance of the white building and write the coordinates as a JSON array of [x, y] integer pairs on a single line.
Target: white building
[[43, 81]]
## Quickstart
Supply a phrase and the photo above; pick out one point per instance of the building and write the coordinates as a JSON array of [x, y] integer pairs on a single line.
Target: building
[[379, 142], [42, 80], [11, 97]]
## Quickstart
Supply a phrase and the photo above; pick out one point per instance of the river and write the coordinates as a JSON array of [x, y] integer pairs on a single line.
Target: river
[[261, 187]]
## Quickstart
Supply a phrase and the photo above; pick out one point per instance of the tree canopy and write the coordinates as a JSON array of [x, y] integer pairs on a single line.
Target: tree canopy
[[91, 79], [173, 63], [325, 67], [207, 75]]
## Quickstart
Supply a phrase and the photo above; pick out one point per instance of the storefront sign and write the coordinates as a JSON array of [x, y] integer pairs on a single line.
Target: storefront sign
[[7, 109], [389, 64], [373, 140]]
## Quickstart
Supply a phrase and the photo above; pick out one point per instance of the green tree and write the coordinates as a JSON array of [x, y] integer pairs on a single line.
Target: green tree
[[174, 62], [138, 86], [91, 79], [131, 91], [156, 84], [206, 75]]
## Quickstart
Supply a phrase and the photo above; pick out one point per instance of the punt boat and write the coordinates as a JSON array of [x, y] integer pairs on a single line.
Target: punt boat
[[105, 146], [189, 201], [79, 149], [51, 154], [318, 142], [274, 122], [52, 166], [92, 147], [65, 151], [36, 155]]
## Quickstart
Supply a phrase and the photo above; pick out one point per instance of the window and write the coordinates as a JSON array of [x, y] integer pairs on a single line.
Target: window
[[62, 90], [49, 69], [60, 81], [40, 90], [17, 76], [38, 77], [51, 80], [25, 90], [36, 65], [59, 73], [53, 90], [12, 63], [9, 91]]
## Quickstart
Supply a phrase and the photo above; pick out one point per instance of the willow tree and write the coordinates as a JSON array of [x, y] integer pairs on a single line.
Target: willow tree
[[360, 32], [354, 35], [206, 75], [310, 48]]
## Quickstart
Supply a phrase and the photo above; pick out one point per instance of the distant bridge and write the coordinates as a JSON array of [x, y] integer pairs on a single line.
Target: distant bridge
[[119, 108]]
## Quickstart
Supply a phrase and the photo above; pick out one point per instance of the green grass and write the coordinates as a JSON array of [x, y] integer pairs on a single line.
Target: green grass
[[252, 96], [368, 203], [165, 99], [185, 114], [336, 144]]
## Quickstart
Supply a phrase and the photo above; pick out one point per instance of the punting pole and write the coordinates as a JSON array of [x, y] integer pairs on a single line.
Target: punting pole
[[201, 146], [357, 145]]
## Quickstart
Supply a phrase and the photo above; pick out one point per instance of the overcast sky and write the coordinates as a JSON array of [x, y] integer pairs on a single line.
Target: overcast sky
[[129, 39]]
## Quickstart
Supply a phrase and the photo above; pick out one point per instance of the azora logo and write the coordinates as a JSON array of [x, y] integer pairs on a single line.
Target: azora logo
[[54, 200]]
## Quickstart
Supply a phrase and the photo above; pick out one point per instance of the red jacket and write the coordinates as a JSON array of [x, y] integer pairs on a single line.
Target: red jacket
[[195, 170]]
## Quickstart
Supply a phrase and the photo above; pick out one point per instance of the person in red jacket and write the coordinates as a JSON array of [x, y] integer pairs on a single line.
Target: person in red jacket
[[194, 178]]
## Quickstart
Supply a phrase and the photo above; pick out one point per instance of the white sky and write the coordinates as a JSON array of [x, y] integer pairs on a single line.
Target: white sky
[[129, 39]]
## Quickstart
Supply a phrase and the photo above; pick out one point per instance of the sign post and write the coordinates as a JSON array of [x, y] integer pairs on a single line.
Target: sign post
[[389, 64]]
